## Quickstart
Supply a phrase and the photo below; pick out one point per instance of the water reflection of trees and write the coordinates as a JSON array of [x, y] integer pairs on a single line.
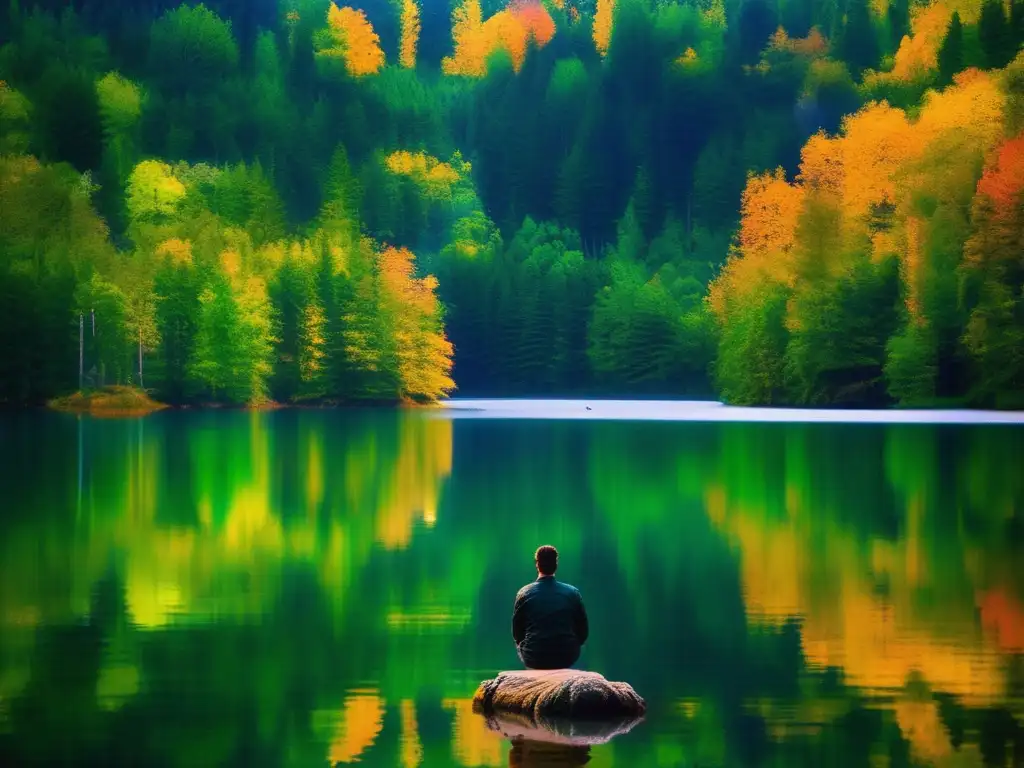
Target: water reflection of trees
[[215, 564], [865, 555], [283, 587]]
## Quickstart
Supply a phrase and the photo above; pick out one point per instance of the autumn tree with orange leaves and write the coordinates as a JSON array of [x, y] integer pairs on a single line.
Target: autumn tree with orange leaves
[[354, 41], [994, 278], [841, 286], [512, 29], [424, 352]]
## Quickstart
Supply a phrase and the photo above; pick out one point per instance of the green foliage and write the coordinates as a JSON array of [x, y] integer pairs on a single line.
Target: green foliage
[[750, 367], [120, 103], [192, 47], [15, 135], [231, 358], [911, 367], [836, 355], [177, 290], [154, 192], [108, 345]]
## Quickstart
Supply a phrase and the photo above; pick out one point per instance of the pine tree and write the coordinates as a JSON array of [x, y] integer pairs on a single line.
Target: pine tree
[[995, 35], [858, 44], [951, 53], [1017, 24], [342, 194]]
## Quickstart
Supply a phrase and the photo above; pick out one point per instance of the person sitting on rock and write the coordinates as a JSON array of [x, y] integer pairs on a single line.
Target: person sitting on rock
[[549, 622]]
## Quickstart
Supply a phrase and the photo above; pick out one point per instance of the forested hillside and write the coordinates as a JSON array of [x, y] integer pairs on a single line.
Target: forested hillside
[[767, 201]]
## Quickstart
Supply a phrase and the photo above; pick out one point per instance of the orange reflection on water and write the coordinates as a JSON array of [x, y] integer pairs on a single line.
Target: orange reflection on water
[[472, 742], [922, 726], [359, 723], [865, 605], [1003, 618], [412, 749]]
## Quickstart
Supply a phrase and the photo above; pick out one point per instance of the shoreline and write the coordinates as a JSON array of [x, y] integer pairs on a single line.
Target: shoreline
[[129, 402]]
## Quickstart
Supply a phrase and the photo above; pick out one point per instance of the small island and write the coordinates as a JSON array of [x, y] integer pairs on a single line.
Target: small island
[[108, 401]]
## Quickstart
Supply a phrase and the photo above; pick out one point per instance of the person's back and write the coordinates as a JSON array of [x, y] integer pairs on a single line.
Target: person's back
[[549, 621]]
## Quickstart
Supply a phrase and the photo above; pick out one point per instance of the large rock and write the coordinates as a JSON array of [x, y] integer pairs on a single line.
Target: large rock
[[558, 694]]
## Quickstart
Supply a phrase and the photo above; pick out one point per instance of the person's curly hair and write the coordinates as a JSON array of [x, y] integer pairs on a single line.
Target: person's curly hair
[[546, 558]]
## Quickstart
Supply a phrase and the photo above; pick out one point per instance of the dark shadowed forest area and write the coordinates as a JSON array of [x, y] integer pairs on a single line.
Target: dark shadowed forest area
[[814, 202]]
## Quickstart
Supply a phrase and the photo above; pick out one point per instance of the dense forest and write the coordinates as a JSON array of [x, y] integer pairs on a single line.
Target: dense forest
[[769, 201]]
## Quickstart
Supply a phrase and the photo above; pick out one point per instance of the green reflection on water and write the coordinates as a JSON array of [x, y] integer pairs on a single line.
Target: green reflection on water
[[294, 588]]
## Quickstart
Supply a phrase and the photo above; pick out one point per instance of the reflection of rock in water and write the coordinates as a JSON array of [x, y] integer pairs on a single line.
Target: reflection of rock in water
[[553, 742], [533, 754]]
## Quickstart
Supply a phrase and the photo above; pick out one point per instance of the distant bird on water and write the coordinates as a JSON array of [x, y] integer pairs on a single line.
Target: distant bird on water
[[589, 408]]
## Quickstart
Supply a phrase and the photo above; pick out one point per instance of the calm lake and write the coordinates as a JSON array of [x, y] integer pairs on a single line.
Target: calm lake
[[300, 588]]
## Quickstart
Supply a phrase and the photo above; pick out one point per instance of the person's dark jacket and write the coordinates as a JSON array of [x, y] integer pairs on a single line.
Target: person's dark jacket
[[549, 623]]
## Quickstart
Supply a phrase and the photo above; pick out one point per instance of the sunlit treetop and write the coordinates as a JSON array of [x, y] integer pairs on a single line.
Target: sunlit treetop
[[120, 102], [410, 33], [153, 190], [470, 54], [354, 41], [770, 208], [512, 29], [424, 352], [814, 45], [876, 142], [435, 177], [535, 19], [918, 51], [821, 165], [917, 55], [14, 121], [714, 14], [179, 251], [972, 107], [1003, 180], [688, 58], [450, 181], [603, 25]]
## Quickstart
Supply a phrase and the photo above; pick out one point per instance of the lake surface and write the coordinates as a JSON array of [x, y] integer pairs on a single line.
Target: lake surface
[[298, 588]]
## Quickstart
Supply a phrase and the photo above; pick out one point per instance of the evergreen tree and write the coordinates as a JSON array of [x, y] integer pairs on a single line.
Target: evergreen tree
[[995, 35], [858, 43], [177, 291], [898, 17], [1017, 24], [951, 53]]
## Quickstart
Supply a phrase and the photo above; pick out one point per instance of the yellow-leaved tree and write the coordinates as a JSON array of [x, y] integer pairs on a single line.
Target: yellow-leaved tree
[[355, 42], [410, 33], [512, 29], [424, 352], [603, 25], [470, 47], [770, 207]]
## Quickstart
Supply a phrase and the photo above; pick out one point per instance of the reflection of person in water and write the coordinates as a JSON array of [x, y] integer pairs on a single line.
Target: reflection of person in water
[[549, 622]]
